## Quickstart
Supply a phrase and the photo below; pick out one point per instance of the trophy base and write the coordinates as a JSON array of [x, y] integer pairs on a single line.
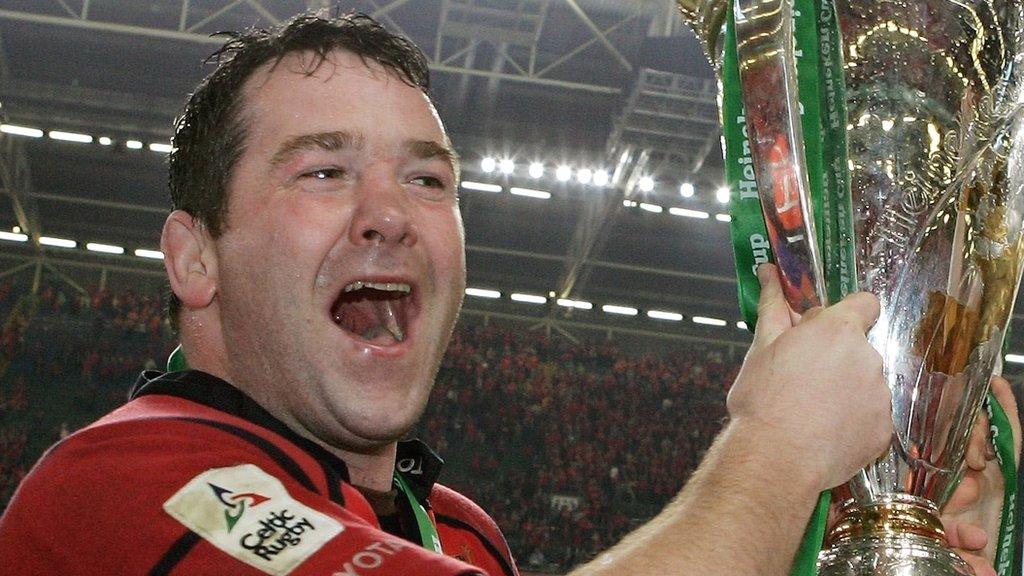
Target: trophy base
[[898, 536], [905, 555]]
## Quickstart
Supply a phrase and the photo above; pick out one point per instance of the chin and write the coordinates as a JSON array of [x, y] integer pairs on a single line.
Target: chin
[[383, 423], [373, 437]]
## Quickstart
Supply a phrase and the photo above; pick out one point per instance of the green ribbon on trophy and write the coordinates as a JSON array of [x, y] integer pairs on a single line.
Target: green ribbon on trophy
[[823, 121]]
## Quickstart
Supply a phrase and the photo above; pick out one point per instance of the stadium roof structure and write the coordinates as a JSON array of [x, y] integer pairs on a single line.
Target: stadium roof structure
[[616, 93], [616, 90]]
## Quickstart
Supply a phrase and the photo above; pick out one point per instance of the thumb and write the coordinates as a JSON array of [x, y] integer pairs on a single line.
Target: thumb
[[773, 317]]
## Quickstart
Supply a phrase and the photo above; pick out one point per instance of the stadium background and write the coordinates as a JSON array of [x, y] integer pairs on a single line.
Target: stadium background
[[600, 334]]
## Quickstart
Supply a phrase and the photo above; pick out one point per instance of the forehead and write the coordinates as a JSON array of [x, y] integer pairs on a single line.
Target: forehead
[[343, 92]]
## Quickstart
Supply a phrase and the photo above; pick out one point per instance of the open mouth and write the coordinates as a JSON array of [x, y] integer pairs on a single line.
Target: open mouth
[[377, 312]]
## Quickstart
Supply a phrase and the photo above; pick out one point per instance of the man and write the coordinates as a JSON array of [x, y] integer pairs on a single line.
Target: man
[[316, 258]]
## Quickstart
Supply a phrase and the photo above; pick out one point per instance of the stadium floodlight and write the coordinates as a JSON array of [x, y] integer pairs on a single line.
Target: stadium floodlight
[[563, 173], [57, 242], [70, 136], [708, 321], [507, 166], [629, 203], [481, 186], [601, 178], [651, 207], [646, 184], [13, 236], [161, 147], [536, 169], [133, 144], [528, 298], [722, 195], [686, 190], [741, 325], [104, 248], [1014, 358], [622, 310], [687, 213], [21, 130], [662, 315], [578, 304], [105, 141], [483, 293], [530, 193], [723, 217], [153, 254], [584, 175], [488, 164]]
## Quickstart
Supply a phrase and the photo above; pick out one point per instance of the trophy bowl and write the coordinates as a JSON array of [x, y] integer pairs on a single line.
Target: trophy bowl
[[922, 174]]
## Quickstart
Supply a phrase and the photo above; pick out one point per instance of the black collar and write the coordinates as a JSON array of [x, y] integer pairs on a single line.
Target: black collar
[[416, 462]]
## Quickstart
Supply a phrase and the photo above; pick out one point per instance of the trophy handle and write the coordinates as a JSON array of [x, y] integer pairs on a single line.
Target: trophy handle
[[767, 63]]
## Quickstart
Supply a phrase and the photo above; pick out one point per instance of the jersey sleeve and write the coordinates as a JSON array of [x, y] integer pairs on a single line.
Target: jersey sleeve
[[181, 496], [470, 534]]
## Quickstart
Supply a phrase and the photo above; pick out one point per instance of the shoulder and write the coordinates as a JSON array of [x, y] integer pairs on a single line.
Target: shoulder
[[165, 485], [106, 486], [467, 530]]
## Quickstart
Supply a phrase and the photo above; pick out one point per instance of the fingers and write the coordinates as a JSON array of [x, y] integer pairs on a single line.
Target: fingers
[[967, 537], [773, 316], [979, 564], [1000, 388], [978, 445], [966, 494], [860, 308], [808, 315]]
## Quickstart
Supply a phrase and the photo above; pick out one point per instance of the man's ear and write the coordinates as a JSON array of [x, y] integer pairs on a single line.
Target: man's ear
[[190, 260]]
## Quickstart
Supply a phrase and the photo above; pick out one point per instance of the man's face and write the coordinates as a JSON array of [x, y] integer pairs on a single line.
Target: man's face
[[341, 269]]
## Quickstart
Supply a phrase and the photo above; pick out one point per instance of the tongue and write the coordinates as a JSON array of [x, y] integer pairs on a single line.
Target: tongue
[[370, 318], [388, 318]]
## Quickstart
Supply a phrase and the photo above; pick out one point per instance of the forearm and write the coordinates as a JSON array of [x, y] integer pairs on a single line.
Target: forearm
[[743, 512]]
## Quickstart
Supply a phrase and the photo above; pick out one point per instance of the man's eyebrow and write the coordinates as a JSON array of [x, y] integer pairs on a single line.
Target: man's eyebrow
[[429, 149], [327, 141]]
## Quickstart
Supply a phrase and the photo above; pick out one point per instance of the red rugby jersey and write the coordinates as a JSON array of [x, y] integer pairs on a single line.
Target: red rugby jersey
[[193, 477]]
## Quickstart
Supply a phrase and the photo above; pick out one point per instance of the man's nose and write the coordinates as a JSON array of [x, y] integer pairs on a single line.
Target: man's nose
[[383, 213]]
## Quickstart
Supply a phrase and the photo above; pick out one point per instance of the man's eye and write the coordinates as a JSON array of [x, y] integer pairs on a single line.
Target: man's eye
[[429, 181], [324, 174]]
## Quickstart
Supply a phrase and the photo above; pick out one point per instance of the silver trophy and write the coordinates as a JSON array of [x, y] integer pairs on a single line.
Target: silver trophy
[[935, 182]]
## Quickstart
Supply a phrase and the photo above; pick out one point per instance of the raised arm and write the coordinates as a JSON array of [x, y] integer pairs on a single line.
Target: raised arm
[[808, 409]]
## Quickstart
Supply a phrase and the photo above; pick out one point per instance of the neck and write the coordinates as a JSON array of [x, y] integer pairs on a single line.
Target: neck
[[203, 345], [372, 470], [204, 350]]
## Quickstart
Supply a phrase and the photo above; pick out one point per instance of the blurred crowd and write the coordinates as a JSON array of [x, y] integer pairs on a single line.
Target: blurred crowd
[[568, 445]]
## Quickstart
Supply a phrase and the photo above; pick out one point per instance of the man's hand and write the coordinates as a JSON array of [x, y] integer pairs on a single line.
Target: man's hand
[[814, 391], [809, 408], [972, 515]]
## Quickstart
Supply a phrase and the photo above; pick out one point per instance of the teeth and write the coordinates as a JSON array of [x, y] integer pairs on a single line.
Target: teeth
[[387, 286]]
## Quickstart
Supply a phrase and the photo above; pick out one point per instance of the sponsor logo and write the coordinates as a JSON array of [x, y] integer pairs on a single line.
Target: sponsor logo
[[277, 532], [250, 515], [464, 554], [236, 503], [370, 557], [759, 247]]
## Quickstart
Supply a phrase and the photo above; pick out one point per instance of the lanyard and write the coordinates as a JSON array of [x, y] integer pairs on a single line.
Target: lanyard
[[428, 532]]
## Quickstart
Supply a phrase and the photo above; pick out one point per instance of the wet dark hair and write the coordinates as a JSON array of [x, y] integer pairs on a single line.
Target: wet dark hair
[[209, 136]]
